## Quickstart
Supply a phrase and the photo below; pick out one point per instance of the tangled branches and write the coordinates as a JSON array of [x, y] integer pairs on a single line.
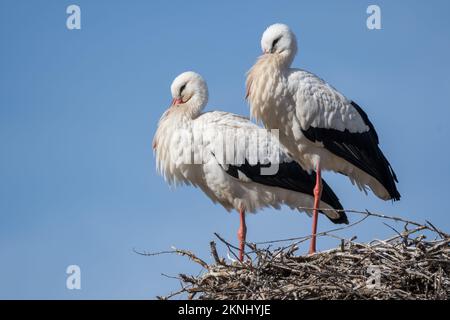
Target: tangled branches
[[405, 266]]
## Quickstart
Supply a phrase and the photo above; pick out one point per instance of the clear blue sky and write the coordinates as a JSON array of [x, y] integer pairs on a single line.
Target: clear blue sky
[[78, 110]]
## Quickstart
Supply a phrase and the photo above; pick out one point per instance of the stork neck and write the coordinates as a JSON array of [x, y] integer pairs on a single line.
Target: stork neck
[[268, 75], [288, 55], [194, 107]]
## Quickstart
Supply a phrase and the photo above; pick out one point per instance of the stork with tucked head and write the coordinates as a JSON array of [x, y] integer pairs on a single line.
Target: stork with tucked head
[[319, 126], [242, 186]]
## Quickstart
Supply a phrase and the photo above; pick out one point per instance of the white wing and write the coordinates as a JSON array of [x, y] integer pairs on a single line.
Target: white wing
[[273, 169], [234, 139], [319, 105]]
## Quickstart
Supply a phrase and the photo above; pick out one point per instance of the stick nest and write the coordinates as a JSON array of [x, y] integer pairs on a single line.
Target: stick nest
[[405, 266]]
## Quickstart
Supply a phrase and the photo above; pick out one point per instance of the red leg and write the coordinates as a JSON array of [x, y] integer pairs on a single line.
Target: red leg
[[242, 233], [317, 196]]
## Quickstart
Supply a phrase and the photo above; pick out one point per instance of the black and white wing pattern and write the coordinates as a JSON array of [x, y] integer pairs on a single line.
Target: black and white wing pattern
[[288, 175], [342, 126]]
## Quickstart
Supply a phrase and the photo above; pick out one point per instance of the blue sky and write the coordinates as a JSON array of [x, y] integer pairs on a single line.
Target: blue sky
[[78, 110]]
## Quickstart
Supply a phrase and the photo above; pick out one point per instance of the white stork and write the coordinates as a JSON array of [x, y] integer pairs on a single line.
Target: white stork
[[319, 126], [243, 186]]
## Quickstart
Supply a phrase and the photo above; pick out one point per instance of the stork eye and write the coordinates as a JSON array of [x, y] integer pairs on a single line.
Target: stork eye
[[182, 88], [274, 43]]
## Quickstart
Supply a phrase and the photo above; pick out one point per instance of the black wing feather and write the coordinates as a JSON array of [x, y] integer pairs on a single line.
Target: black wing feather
[[290, 176], [360, 149]]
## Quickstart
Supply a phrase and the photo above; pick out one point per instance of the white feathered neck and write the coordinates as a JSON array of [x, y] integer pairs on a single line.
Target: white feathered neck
[[265, 82]]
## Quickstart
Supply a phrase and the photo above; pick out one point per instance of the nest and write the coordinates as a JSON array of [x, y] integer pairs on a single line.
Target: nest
[[405, 266]]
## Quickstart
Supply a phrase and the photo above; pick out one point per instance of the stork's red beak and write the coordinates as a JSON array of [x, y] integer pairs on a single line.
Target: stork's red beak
[[176, 101]]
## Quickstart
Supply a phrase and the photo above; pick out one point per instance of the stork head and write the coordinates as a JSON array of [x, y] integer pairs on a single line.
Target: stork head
[[189, 93], [279, 40]]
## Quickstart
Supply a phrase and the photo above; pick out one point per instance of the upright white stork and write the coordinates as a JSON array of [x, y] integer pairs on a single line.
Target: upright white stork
[[319, 126], [242, 186]]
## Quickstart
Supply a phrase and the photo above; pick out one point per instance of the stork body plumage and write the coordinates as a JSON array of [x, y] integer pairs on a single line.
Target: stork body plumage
[[240, 186], [318, 125]]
